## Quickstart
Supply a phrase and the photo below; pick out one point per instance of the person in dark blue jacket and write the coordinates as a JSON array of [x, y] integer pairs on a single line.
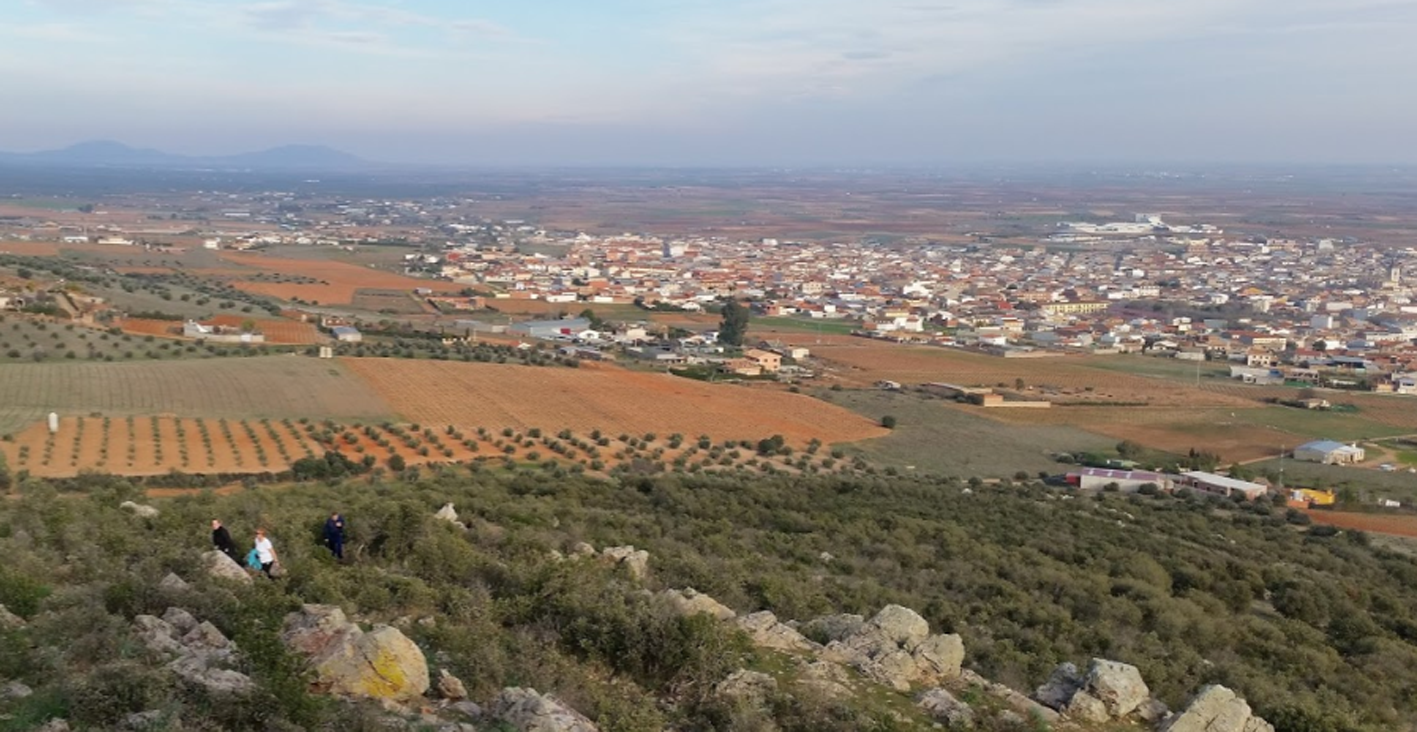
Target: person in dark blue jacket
[[334, 535]]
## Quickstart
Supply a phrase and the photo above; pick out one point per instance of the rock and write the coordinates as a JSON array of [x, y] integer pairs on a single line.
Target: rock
[[1152, 711], [196, 671], [450, 687], [833, 627], [1064, 682], [751, 688], [381, 664], [207, 641], [223, 567], [635, 561], [1019, 702], [767, 632], [158, 635], [1084, 707], [447, 513], [467, 709], [181, 621], [139, 509], [826, 557], [9, 620], [53, 725], [828, 679], [582, 549], [173, 584], [1117, 685], [1216, 709], [692, 602], [901, 625], [139, 721], [15, 690], [944, 707], [527, 711], [940, 656]]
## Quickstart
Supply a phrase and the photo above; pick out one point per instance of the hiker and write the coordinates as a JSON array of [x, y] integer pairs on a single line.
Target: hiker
[[334, 535], [265, 552], [221, 539]]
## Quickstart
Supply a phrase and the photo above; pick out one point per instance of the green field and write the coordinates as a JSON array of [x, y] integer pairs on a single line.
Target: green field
[[252, 387], [1169, 368], [802, 325], [934, 438], [1371, 484], [1313, 424]]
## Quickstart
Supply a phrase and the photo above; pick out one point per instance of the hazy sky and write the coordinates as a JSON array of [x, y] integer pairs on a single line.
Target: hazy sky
[[720, 81]]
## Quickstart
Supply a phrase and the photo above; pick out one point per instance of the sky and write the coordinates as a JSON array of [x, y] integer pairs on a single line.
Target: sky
[[720, 82]]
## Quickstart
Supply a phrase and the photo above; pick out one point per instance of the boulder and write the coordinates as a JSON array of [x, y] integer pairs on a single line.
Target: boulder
[[940, 656], [1064, 682], [381, 664], [826, 678], [9, 620], [582, 550], [450, 687], [139, 509], [173, 584], [895, 648], [942, 706], [766, 632], [447, 513], [158, 635], [53, 725], [1019, 702], [1216, 709], [15, 690], [141, 721], [1119, 686], [198, 655], [833, 627], [901, 625], [181, 621], [525, 710], [196, 671], [635, 561], [1084, 707], [223, 567], [692, 602], [467, 709], [751, 688]]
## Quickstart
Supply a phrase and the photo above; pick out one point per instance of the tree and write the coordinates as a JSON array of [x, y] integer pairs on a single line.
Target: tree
[[397, 464], [734, 325], [888, 422]]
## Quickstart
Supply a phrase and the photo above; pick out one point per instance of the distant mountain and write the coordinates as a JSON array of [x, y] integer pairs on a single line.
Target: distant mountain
[[107, 153]]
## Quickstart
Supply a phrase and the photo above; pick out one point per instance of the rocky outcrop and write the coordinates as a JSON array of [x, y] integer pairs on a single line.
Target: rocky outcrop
[[1020, 703], [750, 688], [221, 566], [692, 602], [15, 690], [1108, 691], [635, 561], [1118, 686], [199, 654], [450, 687], [528, 711], [942, 706], [381, 664], [173, 585], [140, 510], [9, 620], [1216, 709], [830, 628], [766, 632], [447, 513], [895, 648]]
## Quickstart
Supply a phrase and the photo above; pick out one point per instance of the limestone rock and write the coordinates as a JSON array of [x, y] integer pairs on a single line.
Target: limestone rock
[[15, 690], [158, 635], [752, 688], [766, 632], [447, 513], [196, 671], [142, 721], [139, 509], [1085, 707], [381, 664], [198, 655], [1064, 682], [834, 627], [53, 725], [1117, 685], [940, 656], [181, 621], [901, 625], [635, 561], [944, 707], [527, 711], [173, 584], [467, 709], [826, 678], [223, 567], [1216, 709], [9, 620], [692, 602], [1152, 711], [582, 550], [1019, 702], [895, 648], [450, 687]]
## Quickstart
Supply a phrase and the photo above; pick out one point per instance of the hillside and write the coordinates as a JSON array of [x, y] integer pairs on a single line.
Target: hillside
[[1314, 627]]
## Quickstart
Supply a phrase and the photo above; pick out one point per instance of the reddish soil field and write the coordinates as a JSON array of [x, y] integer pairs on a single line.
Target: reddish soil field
[[1378, 523], [343, 279], [281, 332], [159, 328], [610, 399]]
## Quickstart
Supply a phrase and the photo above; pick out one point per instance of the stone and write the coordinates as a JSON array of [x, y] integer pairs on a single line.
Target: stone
[[223, 567], [173, 584], [206, 640], [901, 625], [692, 602], [1085, 707], [382, 664], [139, 721], [9, 620], [942, 706], [181, 621], [766, 632], [635, 561], [1216, 709], [528, 711], [826, 678], [195, 670], [833, 627], [1019, 702], [1062, 684], [1119, 686], [53, 725], [940, 656], [1152, 711], [447, 513], [751, 688], [582, 549], [450, 687], [140, 510], [158, 635], [15, 690], [467, 709]]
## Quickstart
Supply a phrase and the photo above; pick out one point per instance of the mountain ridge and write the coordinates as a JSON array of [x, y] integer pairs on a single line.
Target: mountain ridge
[[111, 153]]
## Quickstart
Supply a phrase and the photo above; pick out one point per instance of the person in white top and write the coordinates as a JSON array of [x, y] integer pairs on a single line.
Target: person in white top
[[265, 552]]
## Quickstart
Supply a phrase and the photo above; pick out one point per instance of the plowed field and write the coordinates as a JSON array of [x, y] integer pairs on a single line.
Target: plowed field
[[609, 399], [336, 282], [280, 332], [1378, 523]]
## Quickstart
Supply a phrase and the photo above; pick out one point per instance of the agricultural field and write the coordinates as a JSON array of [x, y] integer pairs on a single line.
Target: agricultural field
[[277, 331], [607, 398], [1370, 485], [1394, 524], [325, 282], [251, 387], [934, 437]]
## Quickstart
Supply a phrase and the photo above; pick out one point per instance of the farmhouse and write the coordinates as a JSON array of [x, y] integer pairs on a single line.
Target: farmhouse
[[767, 361], [1222, 485], [347, 334], [1329, 452], [550, 328], [1127, 481]]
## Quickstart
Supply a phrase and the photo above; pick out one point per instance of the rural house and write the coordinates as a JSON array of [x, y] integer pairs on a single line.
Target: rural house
[[1329, 452]]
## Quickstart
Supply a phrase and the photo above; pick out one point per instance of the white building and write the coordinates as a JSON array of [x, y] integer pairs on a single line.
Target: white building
[[1329, 452]]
